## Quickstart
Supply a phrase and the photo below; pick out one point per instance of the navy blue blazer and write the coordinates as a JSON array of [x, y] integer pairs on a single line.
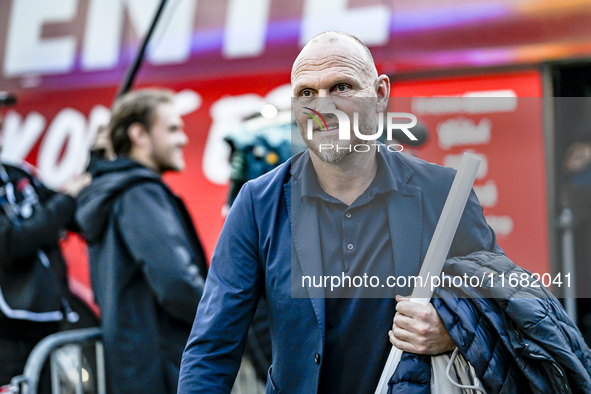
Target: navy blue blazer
[[269, 224]]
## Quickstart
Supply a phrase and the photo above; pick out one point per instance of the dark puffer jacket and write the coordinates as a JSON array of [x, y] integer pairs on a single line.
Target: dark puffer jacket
[[518, 338]]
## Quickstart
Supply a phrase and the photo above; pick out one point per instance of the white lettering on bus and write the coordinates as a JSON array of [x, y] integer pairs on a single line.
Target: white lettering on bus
[[244, 31]]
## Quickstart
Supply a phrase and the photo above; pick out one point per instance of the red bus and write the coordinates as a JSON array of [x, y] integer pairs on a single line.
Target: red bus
[[227, 59]]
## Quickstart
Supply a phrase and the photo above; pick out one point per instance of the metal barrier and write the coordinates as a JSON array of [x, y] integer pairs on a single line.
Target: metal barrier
[[66, 359]]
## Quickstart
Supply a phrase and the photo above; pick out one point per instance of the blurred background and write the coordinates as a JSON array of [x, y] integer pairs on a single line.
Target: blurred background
[[230, 60]]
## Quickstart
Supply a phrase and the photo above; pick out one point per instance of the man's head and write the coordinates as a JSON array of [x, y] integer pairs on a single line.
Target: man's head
[[146, 126], [335, 70]]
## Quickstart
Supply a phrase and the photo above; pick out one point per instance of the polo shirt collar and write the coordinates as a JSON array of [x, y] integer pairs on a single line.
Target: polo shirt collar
[[383, 182]]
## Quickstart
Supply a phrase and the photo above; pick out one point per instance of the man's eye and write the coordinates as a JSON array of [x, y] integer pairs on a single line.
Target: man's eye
[[306, 93], [341, 87]]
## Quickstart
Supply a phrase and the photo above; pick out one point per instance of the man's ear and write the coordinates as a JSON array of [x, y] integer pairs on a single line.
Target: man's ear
[[383, 92], [138, 135]]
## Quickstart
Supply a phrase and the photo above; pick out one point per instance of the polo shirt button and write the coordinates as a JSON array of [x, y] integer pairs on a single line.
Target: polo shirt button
[[348, 215], [317, 358], [350, 246]]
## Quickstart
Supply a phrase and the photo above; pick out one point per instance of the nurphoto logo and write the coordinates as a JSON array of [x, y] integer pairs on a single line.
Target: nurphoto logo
[[345, 124]]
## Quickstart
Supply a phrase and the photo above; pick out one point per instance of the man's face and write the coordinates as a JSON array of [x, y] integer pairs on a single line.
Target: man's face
[[167, 140], [339, 76]]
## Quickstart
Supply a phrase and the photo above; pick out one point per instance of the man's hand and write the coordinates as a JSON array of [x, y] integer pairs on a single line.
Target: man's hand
[[418, 329]]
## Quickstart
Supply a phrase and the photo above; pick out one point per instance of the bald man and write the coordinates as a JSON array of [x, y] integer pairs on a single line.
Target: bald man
[[343, 208]]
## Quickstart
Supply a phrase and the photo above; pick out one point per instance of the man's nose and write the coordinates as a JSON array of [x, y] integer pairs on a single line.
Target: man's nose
[[325, 102]]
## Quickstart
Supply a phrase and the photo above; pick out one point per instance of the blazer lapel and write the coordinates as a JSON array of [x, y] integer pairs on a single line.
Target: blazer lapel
[[305, 238], [405, 217]]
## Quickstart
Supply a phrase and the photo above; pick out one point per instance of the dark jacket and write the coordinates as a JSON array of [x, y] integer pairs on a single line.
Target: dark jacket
[[518, 337], [33, 282], [147, 271]]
